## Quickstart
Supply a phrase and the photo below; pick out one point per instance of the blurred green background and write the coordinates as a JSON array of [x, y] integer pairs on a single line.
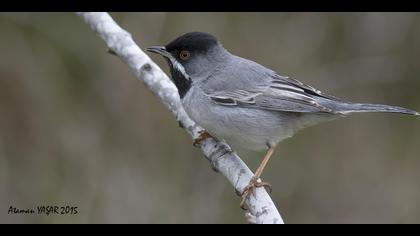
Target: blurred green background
[[76, 127]]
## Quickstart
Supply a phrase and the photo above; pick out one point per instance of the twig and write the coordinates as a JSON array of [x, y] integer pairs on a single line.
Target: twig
[[222, 158]]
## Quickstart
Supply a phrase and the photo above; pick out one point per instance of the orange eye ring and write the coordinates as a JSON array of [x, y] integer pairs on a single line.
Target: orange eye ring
[[184, 55]]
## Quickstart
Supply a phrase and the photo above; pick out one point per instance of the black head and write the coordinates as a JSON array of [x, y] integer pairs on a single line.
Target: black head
[[188, 47], [194, 42], [190, 56]]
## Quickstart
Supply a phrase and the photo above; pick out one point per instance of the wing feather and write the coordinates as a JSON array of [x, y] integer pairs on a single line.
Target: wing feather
[[282, 94]]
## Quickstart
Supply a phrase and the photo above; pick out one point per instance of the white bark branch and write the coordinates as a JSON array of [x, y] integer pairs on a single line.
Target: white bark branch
[[223, 159]]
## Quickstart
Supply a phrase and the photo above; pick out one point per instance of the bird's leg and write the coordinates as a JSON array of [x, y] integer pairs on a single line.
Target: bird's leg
[[203, 135], [254, 183]]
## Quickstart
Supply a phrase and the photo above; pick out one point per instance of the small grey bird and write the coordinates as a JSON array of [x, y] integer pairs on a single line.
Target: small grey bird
[[245, 103]]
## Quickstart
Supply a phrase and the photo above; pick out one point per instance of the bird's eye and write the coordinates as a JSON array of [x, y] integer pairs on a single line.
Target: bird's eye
[[184, 55]]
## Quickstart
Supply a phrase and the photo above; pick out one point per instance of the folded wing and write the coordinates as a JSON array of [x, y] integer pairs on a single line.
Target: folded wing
[[281, 94]]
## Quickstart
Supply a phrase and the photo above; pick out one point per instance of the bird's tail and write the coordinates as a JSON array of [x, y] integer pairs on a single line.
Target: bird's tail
[[346, 108]]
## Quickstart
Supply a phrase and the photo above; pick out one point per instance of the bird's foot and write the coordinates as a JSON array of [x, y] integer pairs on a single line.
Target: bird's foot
[[203, 135], [250, 189]]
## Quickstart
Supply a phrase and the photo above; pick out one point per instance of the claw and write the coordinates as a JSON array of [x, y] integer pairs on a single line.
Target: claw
[[266, 185], [203, 135], [250, 189]]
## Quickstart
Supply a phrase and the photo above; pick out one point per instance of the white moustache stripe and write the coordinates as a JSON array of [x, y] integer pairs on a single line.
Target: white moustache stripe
[[178, 66]]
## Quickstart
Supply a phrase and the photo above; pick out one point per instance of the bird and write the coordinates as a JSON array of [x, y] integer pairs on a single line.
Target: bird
[[245, 103]]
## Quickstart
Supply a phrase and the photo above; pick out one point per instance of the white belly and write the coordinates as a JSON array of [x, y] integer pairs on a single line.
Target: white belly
[[249, 128]]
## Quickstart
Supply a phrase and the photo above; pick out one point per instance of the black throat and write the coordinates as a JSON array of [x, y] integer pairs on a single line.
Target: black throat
[[182, 82]]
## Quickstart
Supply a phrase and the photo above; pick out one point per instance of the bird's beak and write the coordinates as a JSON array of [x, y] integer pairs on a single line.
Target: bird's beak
[[159, 50]]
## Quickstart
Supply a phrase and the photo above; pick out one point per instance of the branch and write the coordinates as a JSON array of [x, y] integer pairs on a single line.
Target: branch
[[221, 156]]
